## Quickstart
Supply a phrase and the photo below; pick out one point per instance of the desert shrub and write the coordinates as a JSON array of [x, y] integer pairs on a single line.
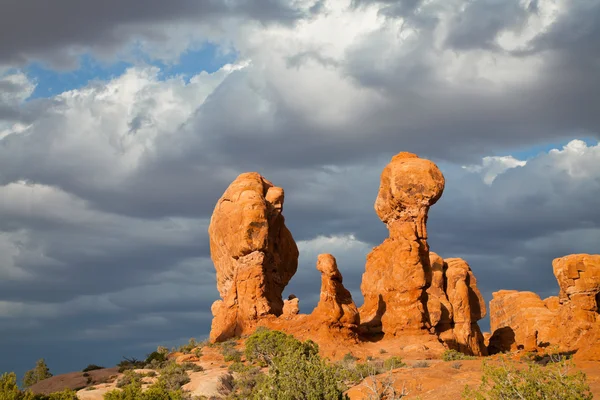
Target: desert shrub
[[66, 394], [393, 363], [155, 357], [263, 346], [128, 377], [157, 391], [296, 371], [198, 352], [9, 390], [37, 374], [91, 367], [505, 380], [453, 355], [162, 350], [349, 358], [382, 351], [188, 347], [421, 364], [188, 366], [244, 383], [173, 376], [456, 365], [231, 354], [239, 367], [130, 363]]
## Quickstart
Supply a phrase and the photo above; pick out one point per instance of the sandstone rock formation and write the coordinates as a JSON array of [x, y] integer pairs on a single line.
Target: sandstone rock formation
[[523, 320], [254, 255], [408, 291], [455, 305], [336, 306], [396, 275]]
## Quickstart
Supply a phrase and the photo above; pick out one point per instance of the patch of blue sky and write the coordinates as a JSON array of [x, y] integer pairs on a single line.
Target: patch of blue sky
[[49, 82], [208, 57]]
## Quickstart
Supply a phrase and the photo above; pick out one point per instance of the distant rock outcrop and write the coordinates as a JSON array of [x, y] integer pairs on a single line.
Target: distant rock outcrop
[[336, 306], [254, 254], [522, 320]]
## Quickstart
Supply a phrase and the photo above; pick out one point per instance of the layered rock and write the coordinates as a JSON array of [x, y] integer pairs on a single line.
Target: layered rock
[[521, 320], [254, 255], [336, 306], [397, 271], [455, 304]]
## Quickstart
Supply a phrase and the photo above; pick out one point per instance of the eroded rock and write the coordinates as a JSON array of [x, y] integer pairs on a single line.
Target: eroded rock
[[254, 255], [397, 271], [336, 306]]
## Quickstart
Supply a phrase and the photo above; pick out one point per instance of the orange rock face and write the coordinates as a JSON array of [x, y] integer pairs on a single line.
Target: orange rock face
[[569, 321], [254, 255], [455, 305], [336, 306], [397, 271]]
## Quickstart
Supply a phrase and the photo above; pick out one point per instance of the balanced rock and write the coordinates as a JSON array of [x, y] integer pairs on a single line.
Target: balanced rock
[[397, 271], [254, 254], [336, 306]]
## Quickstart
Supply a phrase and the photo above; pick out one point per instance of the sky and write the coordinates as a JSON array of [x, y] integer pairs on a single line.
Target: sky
[[122, 123]]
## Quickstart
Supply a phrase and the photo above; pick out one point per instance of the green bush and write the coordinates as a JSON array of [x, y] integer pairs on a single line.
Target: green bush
[[393, 363], [231, 354], [173, 376], [453, 355], [156, 357], [128, 378], [296, 371], [9, 390], [91, 367], [130, 363], [37, 374], [263, 346], [505, 380], [349, 358], [188, 366], [187, 348], [421, 364]]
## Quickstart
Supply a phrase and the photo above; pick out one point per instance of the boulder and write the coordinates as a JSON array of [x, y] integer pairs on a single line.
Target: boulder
[[254, 254]]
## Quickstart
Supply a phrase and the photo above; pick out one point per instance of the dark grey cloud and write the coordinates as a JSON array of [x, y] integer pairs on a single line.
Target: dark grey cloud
[[58, 32]]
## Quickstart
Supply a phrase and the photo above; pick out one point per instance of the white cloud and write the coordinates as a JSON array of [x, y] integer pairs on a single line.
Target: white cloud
[[493, 166]]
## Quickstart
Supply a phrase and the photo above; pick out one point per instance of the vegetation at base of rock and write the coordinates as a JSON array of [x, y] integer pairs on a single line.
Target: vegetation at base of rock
[[9, 390], [507, 380], [37, 374], [91, 367], [188, 347], [453, 355], [168, 386], [296, 371], [393, 363]]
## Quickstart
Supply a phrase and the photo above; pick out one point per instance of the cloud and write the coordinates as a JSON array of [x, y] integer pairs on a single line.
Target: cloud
[[491, 167]]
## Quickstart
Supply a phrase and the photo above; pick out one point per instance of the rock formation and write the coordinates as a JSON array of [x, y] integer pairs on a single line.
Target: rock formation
[[336, 306], [521, 320], [455, 304], [407, 290], [254, 255], [397, 271]]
